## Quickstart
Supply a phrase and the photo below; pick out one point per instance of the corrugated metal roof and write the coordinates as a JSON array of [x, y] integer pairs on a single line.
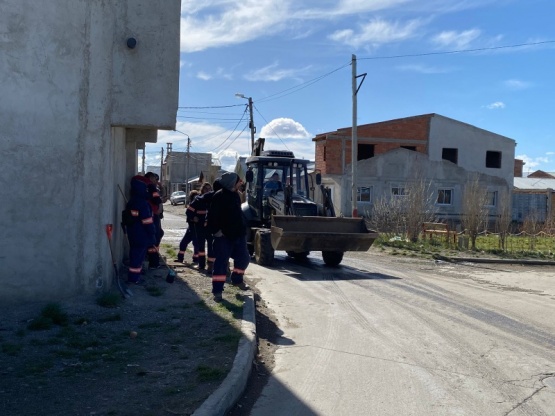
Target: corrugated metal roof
[[534, 183]]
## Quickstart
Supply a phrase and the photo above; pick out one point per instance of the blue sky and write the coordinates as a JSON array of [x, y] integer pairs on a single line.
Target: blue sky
[[483, 62]]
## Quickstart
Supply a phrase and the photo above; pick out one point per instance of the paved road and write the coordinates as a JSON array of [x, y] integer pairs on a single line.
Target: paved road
[[388, 336]]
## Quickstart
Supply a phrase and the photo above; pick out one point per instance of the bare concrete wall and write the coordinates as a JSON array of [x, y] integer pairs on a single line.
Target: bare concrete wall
[[472, 144], [63, 81]]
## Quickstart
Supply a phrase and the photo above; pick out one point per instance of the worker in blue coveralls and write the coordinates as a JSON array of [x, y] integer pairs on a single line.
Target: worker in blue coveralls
[[226, 223], [198, 209], [139, 227], [188, 237], [196, 216], [155, 200]]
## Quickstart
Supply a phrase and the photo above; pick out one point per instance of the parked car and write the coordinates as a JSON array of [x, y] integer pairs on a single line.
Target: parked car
[[178, 198]]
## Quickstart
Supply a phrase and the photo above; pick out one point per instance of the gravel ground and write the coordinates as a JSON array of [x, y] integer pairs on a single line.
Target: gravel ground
[[162, 351]]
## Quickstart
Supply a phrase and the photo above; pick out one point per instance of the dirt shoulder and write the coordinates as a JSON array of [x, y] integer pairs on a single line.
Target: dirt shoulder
[[162, 351]]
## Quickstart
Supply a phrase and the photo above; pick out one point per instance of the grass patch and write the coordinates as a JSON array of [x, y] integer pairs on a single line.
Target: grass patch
[[169, 250], [206, 373], [52, 314], [109, 300], [154, 290]]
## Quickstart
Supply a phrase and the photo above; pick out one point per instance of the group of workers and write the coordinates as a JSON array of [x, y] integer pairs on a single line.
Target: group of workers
[[216, 227]]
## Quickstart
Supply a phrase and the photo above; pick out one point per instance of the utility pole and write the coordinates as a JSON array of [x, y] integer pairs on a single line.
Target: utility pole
[[143, 170], [161, 164], [354, 138], [251, 124], [187, 166], [251, 120]]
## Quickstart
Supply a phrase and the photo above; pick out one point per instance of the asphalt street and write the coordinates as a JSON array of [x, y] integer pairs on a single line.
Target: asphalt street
[[385, 335]]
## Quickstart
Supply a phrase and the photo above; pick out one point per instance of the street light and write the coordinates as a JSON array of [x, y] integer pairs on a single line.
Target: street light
[[251, 123]]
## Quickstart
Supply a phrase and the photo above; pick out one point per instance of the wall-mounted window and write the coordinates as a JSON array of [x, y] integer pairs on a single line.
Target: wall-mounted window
[[491, 199], [364, 194], [413, 148], [450, 154], [444, 196], [493, 159], [365, 151], [325, 148], [398, 190]]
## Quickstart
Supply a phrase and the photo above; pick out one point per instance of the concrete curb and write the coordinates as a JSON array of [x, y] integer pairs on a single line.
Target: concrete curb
[[494, 261], [223, 399]]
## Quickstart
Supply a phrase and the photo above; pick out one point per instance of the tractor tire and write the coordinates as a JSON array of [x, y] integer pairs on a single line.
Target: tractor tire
[[298, 256], [263, 250], [332, 258]]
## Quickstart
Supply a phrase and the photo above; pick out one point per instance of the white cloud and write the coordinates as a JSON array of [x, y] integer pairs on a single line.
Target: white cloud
[[456, 40], [533, 162], [516, 84], [496, 105], [377, 32], [221, 23], [204, 76], [273, 73], [284, 128], [220, 73]]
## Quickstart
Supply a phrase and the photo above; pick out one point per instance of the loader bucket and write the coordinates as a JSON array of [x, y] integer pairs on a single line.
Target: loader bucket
[[301, 234]]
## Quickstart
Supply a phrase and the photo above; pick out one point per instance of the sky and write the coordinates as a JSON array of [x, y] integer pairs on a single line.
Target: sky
[[488, 63]]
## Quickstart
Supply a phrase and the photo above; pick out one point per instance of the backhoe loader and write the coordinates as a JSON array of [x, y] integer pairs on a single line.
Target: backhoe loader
[[281, 215]]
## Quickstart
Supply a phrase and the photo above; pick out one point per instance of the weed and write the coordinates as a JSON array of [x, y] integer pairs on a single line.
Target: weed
[[54, 312], [154, 291], [109, 300]]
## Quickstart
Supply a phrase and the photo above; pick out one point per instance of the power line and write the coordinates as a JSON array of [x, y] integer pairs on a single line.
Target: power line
[[299, 87], [458, 51], [213, 106]]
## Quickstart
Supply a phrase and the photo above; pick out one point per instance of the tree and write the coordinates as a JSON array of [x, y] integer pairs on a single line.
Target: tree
[[418, 205], [386, 216], [475, 213], [532, 225], [503, 220]]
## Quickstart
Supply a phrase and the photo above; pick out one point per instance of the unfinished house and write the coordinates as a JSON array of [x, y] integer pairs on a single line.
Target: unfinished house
[[395, 153]]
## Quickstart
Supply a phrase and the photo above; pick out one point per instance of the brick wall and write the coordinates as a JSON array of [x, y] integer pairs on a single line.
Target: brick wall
[[397, 133]]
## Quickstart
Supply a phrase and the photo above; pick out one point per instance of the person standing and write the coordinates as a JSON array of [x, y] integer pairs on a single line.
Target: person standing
[[155, 200], [139, 227], [196, 216], [188, 237], [201, 205], [226, 223]]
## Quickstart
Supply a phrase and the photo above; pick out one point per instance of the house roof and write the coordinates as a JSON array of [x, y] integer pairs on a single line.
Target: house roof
[[536, 184], [542, 174]]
